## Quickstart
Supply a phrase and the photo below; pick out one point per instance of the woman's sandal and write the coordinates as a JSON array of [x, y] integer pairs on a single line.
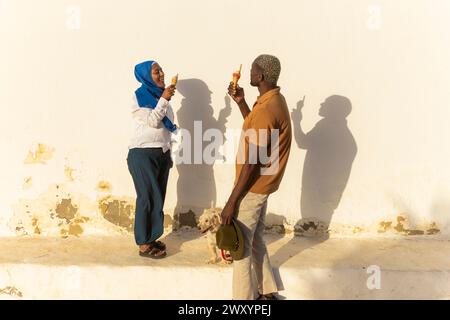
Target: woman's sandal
[[159, 245], [153, 252]]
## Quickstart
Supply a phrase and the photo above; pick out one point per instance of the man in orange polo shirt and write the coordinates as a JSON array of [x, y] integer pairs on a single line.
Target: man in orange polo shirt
[[260, 165]]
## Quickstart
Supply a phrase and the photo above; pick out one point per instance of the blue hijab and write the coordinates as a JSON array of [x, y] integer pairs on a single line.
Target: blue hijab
[[149, 93]]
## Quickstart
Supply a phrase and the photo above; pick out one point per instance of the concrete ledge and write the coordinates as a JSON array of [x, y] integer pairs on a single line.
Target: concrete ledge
[[109, 268]]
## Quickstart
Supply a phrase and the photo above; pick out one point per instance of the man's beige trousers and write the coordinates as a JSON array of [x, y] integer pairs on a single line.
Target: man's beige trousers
[[250, 216]]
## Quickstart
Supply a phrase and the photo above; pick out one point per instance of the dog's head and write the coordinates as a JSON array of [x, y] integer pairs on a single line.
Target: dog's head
[[210, 220]]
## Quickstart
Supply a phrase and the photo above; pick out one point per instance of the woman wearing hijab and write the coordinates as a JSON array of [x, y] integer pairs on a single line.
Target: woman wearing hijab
[[149, 159]]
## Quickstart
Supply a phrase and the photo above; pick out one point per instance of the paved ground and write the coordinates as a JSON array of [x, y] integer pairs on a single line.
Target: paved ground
[[335, 268]]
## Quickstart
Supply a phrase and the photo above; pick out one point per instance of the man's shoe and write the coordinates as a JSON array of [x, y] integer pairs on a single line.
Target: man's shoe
[[269, 296]]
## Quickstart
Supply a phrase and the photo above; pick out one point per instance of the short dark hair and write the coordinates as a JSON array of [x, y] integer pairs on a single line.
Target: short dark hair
[[270, 67]]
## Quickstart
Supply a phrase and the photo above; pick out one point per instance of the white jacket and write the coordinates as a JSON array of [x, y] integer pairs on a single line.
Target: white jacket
[[148, 131]]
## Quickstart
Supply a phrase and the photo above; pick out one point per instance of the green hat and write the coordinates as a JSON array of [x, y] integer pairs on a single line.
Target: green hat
[[230, 237]]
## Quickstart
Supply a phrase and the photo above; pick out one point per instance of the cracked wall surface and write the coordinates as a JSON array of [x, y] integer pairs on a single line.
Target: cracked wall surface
[[62, 211], [376, 164]]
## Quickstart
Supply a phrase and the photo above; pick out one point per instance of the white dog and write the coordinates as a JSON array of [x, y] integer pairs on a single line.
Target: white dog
[[209, 222]]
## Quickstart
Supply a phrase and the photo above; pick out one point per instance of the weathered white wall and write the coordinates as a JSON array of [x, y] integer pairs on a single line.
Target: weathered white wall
[[70, 89]]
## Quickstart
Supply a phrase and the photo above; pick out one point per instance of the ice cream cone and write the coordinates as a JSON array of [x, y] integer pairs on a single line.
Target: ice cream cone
[[174, 80], [237, 76]]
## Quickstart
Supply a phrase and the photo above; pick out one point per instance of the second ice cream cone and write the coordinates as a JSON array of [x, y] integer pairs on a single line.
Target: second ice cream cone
[[236, 76]]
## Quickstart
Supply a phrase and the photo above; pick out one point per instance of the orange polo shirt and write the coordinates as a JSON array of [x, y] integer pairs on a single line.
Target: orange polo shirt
[[269, 112]]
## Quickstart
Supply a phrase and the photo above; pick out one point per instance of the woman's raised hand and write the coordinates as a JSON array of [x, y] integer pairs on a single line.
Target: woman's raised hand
[[169, 92]]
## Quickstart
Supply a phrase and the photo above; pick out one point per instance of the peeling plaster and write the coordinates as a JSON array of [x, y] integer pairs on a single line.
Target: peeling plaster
[[69, 173], [12, 291], [384, 226], [433, 229], [41, 154], [34, 223], [62, 212], [401, 226], [75, 229], [104, 186], [66, 210], [276, 224], [277, 229], [184, 219], [310, 228], [54, 212], [168, 221], [119, 211], [357, 230], [27, 183]]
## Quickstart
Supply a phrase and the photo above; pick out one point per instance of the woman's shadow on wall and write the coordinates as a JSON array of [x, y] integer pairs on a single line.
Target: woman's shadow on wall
[[330, 151], [196, 187]]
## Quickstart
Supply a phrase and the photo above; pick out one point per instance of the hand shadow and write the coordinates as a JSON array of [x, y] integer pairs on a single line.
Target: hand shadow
[[330, 152], [222, 120], [196, 187]]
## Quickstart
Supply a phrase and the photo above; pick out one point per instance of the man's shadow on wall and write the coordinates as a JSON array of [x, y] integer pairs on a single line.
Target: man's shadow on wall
[[196, 187], [330, 151]]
